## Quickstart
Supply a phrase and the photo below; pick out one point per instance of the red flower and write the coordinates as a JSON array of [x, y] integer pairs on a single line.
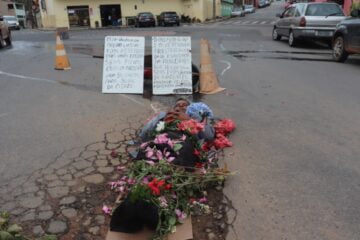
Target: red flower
[[199, 165], [196, 152], [161, 183], [156, 186], [113, 154], [221, 142], [192, 200], [206, 146], [224, 126], [191, 126]]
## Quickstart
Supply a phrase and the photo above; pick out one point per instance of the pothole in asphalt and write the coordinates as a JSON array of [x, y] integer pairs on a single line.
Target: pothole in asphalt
[[282, 55]]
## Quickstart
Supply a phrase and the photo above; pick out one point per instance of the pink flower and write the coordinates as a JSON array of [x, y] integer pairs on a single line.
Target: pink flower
[[143, 145], [161, 139], [180, 215], [106, 210], [121, 189], [225, 126], [170, 159], [163, 202], [203, 200], [149, 153], [159, 155], [131, 181], [183, 138], [146, 180]]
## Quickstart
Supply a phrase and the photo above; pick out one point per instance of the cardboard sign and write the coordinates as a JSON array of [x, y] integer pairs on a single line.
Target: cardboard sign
[[171, 59], [123, 70]]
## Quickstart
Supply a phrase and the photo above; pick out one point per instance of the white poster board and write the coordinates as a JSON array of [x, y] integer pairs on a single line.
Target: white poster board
[[171, 60], [123, 70]]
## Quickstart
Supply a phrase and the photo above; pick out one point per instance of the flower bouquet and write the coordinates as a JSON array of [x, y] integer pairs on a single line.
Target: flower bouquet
[[171, 189]]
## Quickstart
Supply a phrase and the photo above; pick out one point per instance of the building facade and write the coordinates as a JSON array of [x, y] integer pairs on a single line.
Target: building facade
[[100, 13], [226, 7]]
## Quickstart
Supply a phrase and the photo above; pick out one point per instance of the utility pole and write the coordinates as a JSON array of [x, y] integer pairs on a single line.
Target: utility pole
[[214, 9]]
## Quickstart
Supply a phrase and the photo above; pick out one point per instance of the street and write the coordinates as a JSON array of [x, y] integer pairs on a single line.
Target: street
[[296, 146]]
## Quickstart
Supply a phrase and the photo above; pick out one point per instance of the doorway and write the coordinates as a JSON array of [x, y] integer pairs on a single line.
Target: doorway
[[110, 15], [78, 16]]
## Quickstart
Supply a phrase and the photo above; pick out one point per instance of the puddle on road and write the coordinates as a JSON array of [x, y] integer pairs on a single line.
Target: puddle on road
[[270, 51], [283, 58]]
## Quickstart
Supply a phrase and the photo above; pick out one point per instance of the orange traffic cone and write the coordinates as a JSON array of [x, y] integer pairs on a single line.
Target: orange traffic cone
[[61, 59], [208, 81]]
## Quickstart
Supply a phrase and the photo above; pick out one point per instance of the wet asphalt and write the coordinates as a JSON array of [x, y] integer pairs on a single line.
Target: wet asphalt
[[296, 147]]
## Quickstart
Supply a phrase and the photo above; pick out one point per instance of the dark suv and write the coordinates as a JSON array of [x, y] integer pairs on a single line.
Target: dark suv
[[168, 18], [347, 37], [145, 19]]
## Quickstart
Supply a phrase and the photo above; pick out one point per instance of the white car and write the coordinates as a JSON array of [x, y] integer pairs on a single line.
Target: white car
[[249, 9], [12, 22], [237, 12]]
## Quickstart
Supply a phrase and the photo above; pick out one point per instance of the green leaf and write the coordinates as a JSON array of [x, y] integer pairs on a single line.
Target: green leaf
[[14, 229], [177, 147], [49, 237], [172, 220], [5, 236]]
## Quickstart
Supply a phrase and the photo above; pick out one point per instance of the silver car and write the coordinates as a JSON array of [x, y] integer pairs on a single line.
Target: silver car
[[308, 20], [12, 22]]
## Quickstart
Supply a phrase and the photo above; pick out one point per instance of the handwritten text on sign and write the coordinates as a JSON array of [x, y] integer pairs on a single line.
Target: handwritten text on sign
[[172, 71], [123, 70]]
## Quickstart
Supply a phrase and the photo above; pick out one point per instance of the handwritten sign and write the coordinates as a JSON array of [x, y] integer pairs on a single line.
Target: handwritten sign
[[123, 70], [171, 58]]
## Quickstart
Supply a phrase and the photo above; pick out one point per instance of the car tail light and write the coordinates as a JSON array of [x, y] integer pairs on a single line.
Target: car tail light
[[148, 73], [302, 22]]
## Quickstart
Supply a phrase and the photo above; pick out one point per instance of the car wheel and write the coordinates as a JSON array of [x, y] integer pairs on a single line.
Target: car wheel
[[8, 40], [275, 35], [292, 39], [339, 53], [178, 24]]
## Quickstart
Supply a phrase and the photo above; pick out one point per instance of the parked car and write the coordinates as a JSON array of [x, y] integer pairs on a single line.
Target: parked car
[[12, 22], [145, 19], [237, 12], [267, 2], [168, 18], [249, 9], [346, 38], [262, 3], [5, 34], [308, 21]]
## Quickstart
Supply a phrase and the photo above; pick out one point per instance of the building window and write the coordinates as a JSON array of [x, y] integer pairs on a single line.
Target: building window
[[19, 6], [10, 6]]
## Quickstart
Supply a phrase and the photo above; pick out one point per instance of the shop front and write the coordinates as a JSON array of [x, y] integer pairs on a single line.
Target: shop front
[[78, 16]]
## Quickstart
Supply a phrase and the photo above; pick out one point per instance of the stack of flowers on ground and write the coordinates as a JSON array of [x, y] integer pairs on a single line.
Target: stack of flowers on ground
[[176, 191]]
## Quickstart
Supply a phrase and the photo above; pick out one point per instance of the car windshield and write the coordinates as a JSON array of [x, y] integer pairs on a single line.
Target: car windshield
[[248, 6], [237, 10], [10, 18], [324, 10], [146, 14], [170, 14]]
